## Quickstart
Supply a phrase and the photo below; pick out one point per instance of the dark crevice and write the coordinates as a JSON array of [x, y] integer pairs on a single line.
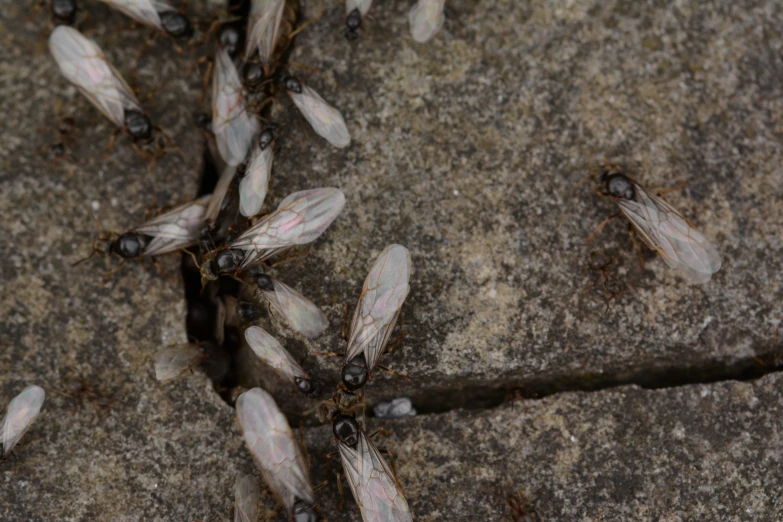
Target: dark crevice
[[473, 397]]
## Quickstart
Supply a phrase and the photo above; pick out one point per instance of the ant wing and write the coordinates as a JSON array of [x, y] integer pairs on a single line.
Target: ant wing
[[426, 18], [83, 64], [270, 351], [247, 496], [254, 186], [326, 121], [300, 219], [143, 11], [384, 291], [233, 126], [377, 493], [362, 5], [666, 231], [22, 412], [171, 361], [264, 29], [275, 451], [300, 313], [176, 229]]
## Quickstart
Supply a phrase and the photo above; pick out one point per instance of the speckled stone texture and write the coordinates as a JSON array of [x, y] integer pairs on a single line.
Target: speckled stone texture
[[702, 452], [125, 448], [469, 150]]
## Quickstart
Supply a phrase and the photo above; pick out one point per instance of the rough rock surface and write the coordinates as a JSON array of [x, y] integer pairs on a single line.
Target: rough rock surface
[[120, 446], [469, 150], [702, 452]]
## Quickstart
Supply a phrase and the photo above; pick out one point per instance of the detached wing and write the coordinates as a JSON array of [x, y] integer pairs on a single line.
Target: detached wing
[[326, 121], [255, 184], [300, 219], [219, 194], [265, 30], [378, 495], [176, 229], [171, 361], [270, 441], [384, 291], [269, 350], [299, 312], [247, 496], [84, 65], [362, 5], [667, 232], [426, 18], [22, 412], [234, 127], [143, 11]]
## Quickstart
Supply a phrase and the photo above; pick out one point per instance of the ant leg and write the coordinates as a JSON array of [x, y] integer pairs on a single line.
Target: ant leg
[[306, 23], [396, 374], [288, 258], [391, 461], [111, 143], [397, 341], [145, 45], [340, 489], [111, 272], [163, 272], [637, 245], [205, 84], [601, 226], [344, 328], [661, 191]]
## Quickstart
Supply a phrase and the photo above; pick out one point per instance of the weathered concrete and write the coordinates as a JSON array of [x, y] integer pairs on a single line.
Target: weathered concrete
[[469, 151], [705, 452], [156, 452]]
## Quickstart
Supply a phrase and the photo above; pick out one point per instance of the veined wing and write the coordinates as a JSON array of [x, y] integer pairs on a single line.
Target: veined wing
[[254, 186], [234, 127], [265, 30], [178, 228], [300, 219], [247, 496], [22, 412], [143, 11], [299, 312], [271, 442], [171, 361], [269, 350], [362, 5], [219, 194], [384, 291], [426, 18], [84, 65], [378, 495], [326, 121], [667, 232]]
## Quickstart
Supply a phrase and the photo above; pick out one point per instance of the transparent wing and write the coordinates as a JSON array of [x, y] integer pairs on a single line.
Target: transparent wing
[[269, 350], [219, 194], [378, 495], [171, 361], [84, 65], [362, 5], [426, 18], [299, 312], [667, 232], [176, 229], [233, 126], [22, 412], [254, 186], [274, 449], [143, 11], [265, 30], [326, 121], [300, 219], [379, 305], [247, 496]]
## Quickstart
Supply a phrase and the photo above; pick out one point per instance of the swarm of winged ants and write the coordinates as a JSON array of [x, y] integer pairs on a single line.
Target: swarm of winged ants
[[227, 237]]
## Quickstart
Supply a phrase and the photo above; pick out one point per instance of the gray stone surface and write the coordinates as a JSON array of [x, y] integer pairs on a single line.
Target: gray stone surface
[[469, 150], [157, 452], [703, 452]]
